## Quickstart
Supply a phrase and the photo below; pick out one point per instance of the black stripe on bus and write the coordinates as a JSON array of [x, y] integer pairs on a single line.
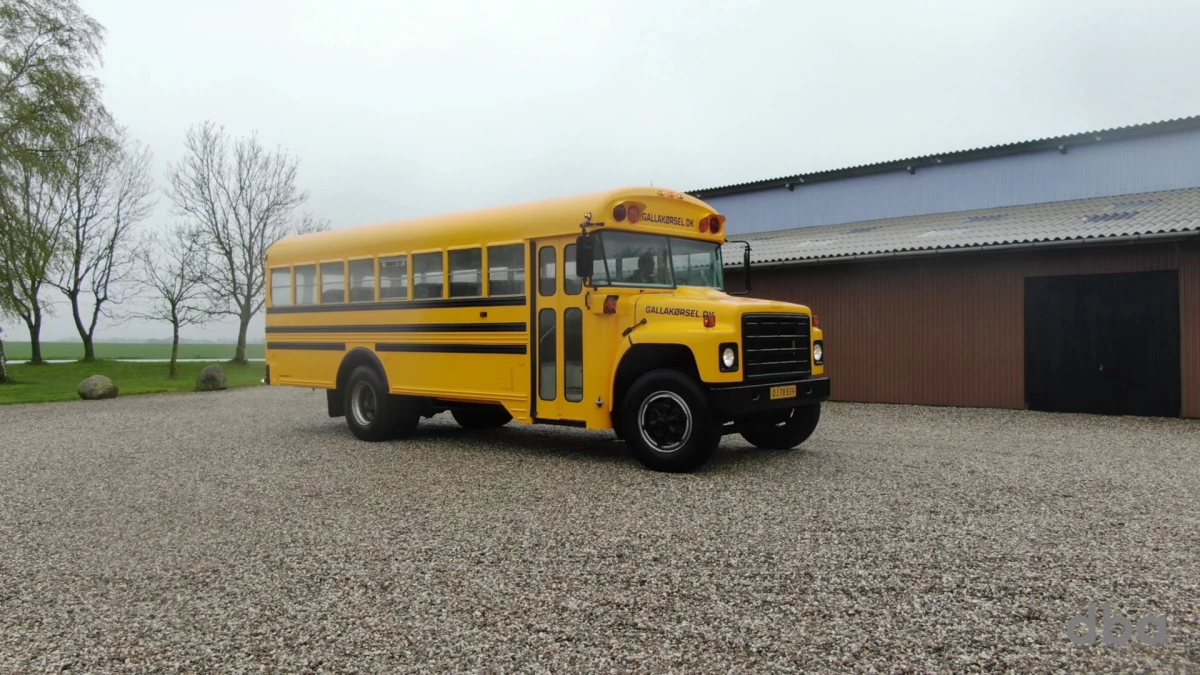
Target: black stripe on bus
[[432, 303], [449, 348], [309, 346], [515, 327]]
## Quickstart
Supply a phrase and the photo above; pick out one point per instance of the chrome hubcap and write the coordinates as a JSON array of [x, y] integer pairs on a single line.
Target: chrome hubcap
[[665, 421], [362, 404]]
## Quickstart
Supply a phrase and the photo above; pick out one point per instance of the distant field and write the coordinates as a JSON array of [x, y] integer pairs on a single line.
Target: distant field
[[60, 381], [19, 351]]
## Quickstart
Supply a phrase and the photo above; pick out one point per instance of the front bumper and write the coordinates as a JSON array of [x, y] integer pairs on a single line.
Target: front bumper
[[732, 402]]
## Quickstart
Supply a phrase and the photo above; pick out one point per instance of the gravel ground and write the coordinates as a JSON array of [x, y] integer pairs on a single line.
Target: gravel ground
[[246, 530]]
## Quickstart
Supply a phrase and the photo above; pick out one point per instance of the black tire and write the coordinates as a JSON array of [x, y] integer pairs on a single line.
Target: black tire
[[783, 431], [665, 423], [482, 418], [372, 413]]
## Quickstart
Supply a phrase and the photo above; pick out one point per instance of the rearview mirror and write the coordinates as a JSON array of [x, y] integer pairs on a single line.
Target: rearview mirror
[[745, 268], [584, 256]]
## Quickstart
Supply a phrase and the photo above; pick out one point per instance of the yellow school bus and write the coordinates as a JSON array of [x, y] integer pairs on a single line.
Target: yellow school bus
[[602, 311]]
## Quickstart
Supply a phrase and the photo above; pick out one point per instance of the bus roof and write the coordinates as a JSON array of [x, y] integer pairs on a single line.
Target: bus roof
[[666, 212]]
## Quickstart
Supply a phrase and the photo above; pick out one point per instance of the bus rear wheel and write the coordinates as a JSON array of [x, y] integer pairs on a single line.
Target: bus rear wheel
[[372, 413], [785, 430], [664, 423], [482, 418]]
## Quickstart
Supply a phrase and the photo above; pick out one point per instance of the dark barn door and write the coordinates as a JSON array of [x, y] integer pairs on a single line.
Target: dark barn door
[[1103, 343]]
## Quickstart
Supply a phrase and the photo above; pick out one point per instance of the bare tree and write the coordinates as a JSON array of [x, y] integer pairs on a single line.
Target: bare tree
[[29, 247], [170, 268], [243, 199], [105, 190]]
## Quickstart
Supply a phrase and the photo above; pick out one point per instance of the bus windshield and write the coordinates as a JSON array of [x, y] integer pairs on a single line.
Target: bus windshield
[[650, 260]]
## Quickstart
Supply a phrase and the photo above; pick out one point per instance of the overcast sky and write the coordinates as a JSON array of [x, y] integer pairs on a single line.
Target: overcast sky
[[400, 109]]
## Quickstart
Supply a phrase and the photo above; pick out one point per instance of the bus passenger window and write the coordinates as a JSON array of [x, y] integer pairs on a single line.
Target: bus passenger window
[[393, 278], [306, 285], [466, 273], [572, 284], [362, 280], [333, 282], [547, 271], [281, 287], [547, 354], [506, 269], [427, 275], [573, 354]]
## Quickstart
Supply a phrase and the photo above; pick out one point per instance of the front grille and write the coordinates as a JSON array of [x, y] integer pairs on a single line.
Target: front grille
[[776, 346]]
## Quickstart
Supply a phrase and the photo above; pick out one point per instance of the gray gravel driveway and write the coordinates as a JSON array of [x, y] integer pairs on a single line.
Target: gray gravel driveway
[[244, 530]]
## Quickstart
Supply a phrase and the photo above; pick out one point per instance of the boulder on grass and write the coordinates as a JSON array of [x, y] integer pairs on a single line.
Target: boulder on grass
[[212, 378], [97, 387]]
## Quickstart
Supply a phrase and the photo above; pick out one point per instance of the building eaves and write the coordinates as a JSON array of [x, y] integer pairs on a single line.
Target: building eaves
[[1061, 143], [1175, 212]]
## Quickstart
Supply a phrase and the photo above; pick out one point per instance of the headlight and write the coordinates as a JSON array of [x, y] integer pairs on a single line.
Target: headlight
[[729, 356], [818, 352]]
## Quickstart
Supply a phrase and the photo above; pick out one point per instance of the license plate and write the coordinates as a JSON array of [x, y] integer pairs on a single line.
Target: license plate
[[786, 391]]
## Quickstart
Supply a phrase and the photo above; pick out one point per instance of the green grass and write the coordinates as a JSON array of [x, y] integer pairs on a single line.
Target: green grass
[[60, 381], [54, 351]]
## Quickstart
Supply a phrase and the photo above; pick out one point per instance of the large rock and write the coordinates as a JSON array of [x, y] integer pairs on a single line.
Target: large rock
[[212, 378], [97, 387]]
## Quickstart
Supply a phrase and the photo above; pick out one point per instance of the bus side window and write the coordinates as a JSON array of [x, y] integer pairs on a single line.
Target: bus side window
[[281, 286], [573, 354], [306, 285], [547, 272], [466, 273], [572, 284], [333, 282], [362, 280], [393, 278], [506, 269], [547, 354], [427, 275]]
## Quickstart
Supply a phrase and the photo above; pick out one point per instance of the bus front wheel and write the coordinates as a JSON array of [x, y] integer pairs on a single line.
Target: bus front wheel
[[783, 431], [664, 423], [372, 413]]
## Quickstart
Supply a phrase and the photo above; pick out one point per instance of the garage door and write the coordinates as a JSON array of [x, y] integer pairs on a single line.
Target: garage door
[[1104, 343]]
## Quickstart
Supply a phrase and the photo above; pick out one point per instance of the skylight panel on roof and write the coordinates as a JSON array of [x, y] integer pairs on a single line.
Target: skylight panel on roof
[[1143, 202], [947, 231], [1104, 217]]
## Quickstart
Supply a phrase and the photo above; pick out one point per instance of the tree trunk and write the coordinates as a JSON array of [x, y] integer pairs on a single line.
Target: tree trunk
[[89, 347], [3, 364], [35, 339], [243, 327], [175, 353]]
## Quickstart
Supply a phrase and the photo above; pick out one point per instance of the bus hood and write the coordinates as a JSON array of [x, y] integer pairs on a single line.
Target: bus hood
[[691, 303]]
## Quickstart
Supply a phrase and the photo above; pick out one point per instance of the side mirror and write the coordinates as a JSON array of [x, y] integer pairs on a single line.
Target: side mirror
[[745, 267], [584, 256]]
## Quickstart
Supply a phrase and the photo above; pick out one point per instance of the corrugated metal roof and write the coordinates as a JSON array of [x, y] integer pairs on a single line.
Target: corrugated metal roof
[[1110, 218], [913, 163]]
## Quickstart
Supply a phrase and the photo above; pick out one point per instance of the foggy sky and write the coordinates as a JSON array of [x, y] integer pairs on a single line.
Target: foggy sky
[[400, 109]]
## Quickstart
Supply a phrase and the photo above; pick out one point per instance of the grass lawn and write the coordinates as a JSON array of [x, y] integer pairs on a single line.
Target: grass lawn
[[54, 351], [60, 381]]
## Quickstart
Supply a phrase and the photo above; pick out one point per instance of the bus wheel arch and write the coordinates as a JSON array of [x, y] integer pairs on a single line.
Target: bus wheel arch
[[641, 359], [356, 357]]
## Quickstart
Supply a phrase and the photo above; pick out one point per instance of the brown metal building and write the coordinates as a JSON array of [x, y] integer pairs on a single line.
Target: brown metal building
[[1073, 306]]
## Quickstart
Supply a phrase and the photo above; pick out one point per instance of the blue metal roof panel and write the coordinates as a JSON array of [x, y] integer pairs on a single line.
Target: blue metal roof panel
[[998, 150]]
